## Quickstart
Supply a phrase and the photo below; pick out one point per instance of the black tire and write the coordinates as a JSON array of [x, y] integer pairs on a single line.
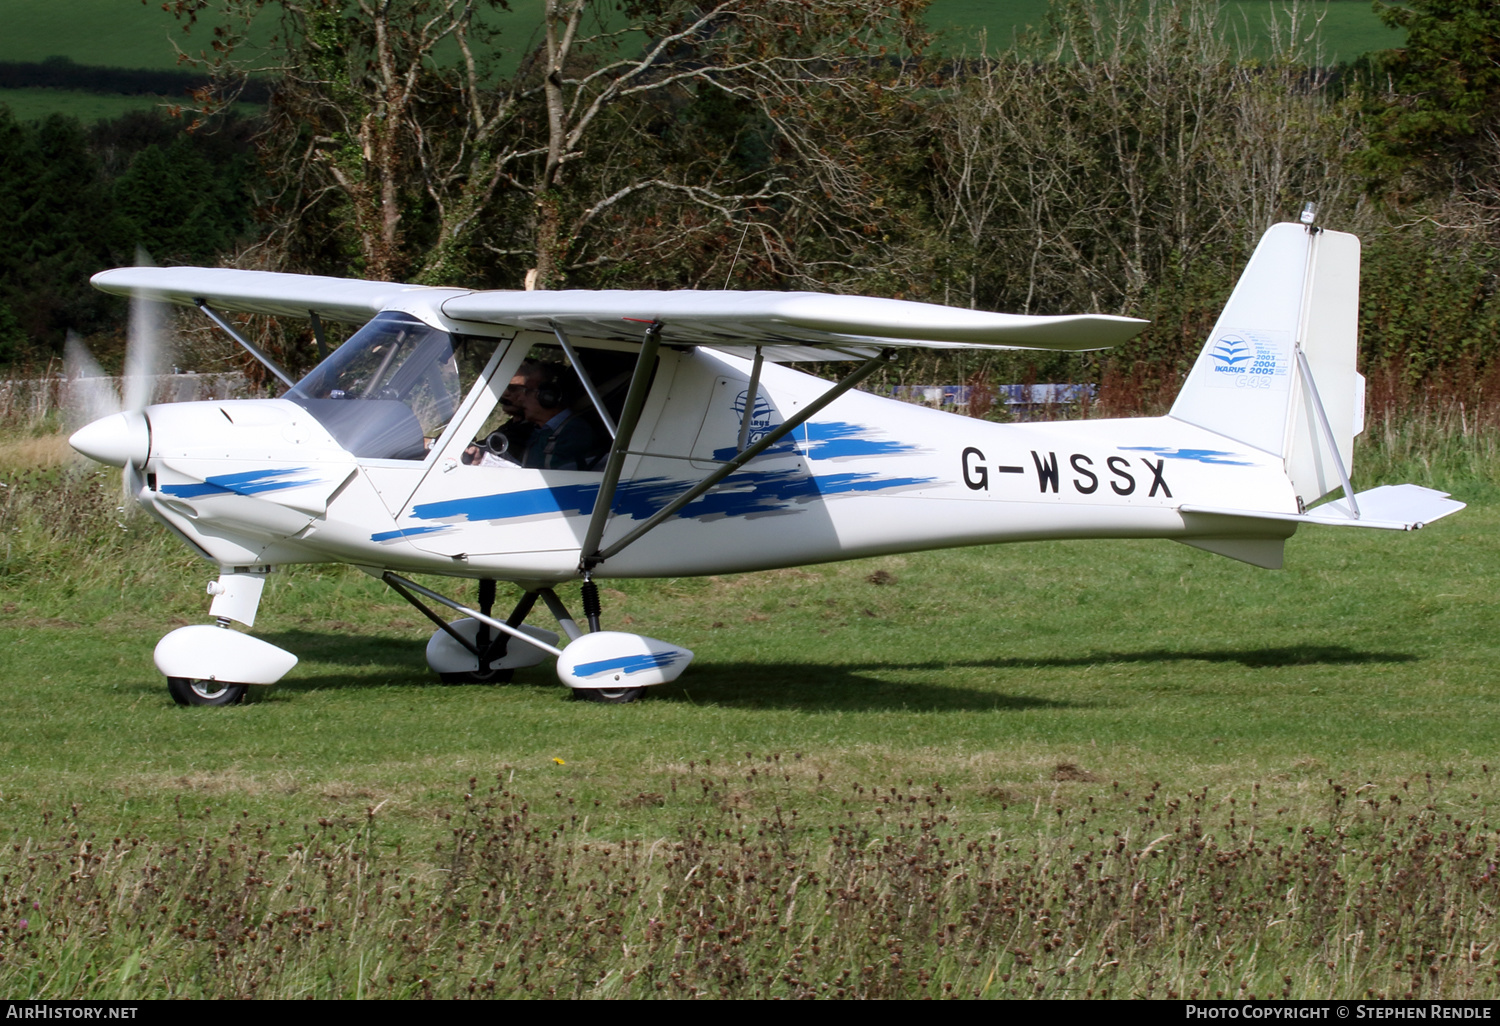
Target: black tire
[[608, 696], [491, 676], [187, 691]]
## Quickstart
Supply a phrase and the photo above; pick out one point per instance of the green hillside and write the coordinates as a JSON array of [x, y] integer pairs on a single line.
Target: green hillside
[[34, 104], [119, 33], [1346, 29], [125, 33]]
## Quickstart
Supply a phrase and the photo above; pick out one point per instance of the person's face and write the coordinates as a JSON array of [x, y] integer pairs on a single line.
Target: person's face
[[519, 397]]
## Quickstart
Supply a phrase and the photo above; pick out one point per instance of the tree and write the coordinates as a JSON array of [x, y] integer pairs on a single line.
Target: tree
[[13, 341], [55, 205], [351, 80], [1126, 161], [622, 136], [1444, 103], [180, 206]]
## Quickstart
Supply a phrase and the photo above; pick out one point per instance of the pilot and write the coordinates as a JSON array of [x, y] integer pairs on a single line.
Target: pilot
[[562, 438], [507, 445], [545, 431]]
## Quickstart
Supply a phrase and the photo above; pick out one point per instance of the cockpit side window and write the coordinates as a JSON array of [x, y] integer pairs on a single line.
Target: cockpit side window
[[545, 419]]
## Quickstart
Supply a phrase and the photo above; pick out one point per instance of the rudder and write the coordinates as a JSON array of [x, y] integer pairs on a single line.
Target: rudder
[[1284, 345]]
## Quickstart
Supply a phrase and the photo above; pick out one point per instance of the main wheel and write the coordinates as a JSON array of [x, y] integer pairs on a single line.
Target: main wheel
[[188, 691], [608, 696], [490, 676]]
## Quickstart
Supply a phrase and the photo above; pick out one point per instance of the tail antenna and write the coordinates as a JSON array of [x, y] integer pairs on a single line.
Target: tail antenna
[[1309, 216]]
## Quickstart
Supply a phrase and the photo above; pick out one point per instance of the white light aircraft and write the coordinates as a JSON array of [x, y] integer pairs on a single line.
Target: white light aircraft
[[712, 455]]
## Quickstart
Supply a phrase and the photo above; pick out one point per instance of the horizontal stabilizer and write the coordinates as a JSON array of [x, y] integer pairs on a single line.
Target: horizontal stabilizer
[[1405, 507]]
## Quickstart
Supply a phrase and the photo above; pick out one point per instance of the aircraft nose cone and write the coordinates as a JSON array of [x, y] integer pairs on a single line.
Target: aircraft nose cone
[[118, 439]]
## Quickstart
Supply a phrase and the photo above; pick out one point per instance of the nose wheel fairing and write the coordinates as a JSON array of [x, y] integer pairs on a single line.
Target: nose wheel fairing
[[203, 652]]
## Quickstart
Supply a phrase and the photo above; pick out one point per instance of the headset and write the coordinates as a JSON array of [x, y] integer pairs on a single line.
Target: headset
[[555, 390]]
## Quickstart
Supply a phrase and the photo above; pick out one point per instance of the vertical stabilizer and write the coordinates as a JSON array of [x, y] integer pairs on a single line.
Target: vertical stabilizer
[[1286, 343]]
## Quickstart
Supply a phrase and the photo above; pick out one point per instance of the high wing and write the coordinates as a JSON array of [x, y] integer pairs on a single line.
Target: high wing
[[736, 319], [791, 325], [260, 292]]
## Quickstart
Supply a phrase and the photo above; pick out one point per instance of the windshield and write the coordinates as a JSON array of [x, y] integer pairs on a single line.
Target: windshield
[[391, 389]]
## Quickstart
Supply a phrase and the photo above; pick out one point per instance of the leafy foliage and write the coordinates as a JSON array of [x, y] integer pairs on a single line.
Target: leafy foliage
[[1123, 158], [181, 205], [53, 203]]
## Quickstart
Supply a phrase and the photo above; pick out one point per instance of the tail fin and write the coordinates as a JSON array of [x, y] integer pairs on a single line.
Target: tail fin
[[1278, 372]]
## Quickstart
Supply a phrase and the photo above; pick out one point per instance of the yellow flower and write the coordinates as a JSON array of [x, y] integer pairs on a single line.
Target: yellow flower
[[559, 762]]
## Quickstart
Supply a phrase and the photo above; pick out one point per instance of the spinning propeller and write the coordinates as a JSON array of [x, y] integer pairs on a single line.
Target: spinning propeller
[[115, 428]]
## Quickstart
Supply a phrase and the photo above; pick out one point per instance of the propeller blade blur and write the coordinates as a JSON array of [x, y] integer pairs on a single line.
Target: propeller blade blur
[[91, 394], [143, 347]]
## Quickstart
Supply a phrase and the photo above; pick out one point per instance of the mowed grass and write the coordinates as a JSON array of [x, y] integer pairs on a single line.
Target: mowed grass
[[1014, 696], [1370, 655]]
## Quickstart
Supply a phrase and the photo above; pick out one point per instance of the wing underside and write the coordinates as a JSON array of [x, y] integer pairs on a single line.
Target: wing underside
[[260, 292], [787, 320]]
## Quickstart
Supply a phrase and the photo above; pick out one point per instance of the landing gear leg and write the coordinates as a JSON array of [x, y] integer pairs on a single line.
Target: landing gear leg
[[466, 651], [491, 646], [591, 607], [212, 665], [560, 611]]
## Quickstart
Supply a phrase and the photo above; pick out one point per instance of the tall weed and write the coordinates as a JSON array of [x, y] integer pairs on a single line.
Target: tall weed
[[1113, 894]]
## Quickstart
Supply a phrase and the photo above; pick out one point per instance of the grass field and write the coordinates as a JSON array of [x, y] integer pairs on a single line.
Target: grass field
[[35, 104], [1060, 769], [121, 33]]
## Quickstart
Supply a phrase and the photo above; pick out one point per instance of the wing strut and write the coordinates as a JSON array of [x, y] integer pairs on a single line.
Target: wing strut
[[750, 394], [588, 382], [317, 327], [745, 456], [630, 415], [202, 304]]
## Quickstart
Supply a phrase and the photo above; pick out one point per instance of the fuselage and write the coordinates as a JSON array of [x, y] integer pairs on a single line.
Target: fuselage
[[264, 482]]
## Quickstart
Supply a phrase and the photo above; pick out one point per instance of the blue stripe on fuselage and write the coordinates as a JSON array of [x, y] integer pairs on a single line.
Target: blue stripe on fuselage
[[828, 441], [744, 494], [249, 482], [1211, 456]]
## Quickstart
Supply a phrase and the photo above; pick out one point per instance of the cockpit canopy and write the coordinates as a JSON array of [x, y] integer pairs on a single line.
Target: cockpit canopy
[[393, 387]]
